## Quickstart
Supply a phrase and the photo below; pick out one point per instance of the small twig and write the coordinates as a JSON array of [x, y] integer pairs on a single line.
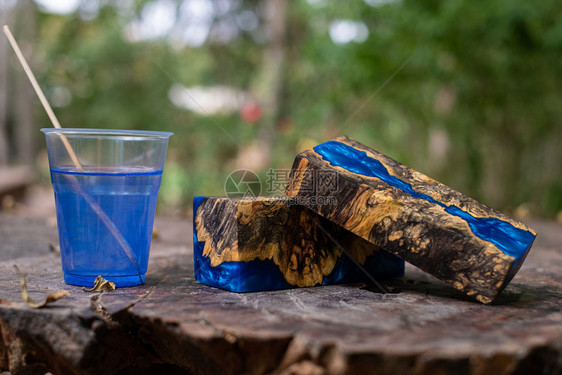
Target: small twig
[[50, 298]]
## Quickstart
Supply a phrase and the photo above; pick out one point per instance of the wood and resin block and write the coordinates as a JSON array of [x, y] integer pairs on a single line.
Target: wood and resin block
[[246, 245], [472, 247]]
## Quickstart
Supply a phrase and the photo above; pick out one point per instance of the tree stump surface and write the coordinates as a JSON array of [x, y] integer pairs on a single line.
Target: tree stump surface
[[174, 325]]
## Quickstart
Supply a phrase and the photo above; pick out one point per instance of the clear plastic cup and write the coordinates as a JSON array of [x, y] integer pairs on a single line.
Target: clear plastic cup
[[106, 185]]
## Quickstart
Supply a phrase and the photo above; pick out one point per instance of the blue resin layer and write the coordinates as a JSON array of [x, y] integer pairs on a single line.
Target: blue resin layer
[[260, 275], [510, 240]]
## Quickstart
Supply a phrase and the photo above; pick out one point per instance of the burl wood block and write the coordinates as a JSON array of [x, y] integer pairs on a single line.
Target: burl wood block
[[472, 247], [247, 245]]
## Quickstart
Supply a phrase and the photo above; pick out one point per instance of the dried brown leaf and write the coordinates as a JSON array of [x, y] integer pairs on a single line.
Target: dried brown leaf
[[54, 248], [52, 297], [101, 284]]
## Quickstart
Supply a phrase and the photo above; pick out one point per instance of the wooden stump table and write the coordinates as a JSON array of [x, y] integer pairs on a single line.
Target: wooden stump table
[[174, 325]]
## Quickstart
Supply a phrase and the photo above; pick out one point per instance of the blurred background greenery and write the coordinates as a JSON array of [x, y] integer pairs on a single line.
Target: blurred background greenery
[[467, 92]]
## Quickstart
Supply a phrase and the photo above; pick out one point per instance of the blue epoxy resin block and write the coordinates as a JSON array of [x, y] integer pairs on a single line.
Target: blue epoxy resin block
[[472, 247], [247, 245]]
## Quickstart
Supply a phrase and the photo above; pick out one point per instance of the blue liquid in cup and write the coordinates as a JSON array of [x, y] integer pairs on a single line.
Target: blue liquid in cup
[[116, 248]]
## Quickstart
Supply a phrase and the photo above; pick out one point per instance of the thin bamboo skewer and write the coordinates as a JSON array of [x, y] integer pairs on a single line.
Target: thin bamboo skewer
[[95, 207], [41, 96]]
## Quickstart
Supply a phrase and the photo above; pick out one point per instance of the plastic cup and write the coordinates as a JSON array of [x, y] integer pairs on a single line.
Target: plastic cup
[[106, 202]]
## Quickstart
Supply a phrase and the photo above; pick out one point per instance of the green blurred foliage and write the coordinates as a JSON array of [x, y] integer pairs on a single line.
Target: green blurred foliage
[[466, 92]]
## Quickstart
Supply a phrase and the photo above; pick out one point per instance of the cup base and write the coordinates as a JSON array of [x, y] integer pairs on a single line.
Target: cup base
[[88, 281]]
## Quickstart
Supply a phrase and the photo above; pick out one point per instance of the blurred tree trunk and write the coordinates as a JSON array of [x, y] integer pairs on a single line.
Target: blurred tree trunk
[[24, 96], [268, 87], [5, 18]]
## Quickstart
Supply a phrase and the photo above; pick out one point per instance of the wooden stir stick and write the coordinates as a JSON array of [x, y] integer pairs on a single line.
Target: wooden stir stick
[[41, 96]]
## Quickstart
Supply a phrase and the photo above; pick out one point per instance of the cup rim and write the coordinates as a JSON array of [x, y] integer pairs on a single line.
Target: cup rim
[[108, 132]]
